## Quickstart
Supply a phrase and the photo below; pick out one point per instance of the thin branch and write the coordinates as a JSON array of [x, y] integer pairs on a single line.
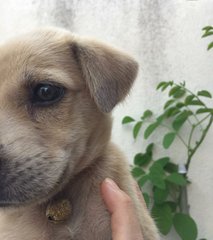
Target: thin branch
[[199, 142], [196, 118], [190, 138], [202, 120], [181, 139], [192, 131]]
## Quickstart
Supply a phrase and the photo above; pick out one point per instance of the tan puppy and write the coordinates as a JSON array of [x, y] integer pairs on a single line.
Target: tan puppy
[[56, 92]]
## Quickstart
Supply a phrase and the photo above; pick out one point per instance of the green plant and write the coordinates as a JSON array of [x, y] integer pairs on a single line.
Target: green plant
[[187, 118], [208, 31]]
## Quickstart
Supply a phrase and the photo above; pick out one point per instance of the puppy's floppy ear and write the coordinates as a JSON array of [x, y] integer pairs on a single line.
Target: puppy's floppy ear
[[109, 74]]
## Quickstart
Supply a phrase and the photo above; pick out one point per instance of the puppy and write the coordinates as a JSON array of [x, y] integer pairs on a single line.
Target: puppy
[[56, 95]]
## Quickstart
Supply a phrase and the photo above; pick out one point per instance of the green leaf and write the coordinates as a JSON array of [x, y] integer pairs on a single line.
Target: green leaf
[[204, 110], [168, 139], [156, 168], [142, 159], [196, 102], [147, 114], [127, 119], [180, 105], [160, 195], [150, 129], [207, 28], [172, 205], [188, 99], [171, 167], [137, 172], [177, 179], [138, 159], [210, 46], [164, 85], [172, 111], [185, 226], [161, 84], [143, 180], [149, 148], [163, 161], [204, 93], [163, 217], [156, 176], [180, 119], [207, 33], [146, 198], [160, 118], [136, 129], [168, 103], [180, 93], [157, 181], [174, 90]]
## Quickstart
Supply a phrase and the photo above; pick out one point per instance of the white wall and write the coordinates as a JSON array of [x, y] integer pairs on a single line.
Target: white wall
[[165, 38]]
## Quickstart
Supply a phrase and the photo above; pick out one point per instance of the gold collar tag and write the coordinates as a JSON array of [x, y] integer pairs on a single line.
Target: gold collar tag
[[59, 211]]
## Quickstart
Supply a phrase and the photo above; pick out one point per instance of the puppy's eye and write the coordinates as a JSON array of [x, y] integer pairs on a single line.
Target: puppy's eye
[[46, 94]]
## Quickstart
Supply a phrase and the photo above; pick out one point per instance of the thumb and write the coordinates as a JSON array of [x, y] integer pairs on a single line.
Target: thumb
[[124, 222]]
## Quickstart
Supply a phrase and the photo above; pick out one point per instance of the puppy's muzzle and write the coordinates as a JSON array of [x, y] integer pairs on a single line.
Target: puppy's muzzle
[[18, 184]]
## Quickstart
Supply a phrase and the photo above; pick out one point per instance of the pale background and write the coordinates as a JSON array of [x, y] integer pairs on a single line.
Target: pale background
[[165, 37]]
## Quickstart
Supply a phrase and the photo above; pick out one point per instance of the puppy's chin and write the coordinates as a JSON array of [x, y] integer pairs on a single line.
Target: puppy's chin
[[21, 196], [5, 204], [11, 205], [18, 199]]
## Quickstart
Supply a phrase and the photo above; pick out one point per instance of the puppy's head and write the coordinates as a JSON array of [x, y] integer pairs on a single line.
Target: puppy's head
[[55, 93]]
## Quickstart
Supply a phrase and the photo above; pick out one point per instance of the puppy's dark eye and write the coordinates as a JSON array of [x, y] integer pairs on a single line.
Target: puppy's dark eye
[[46, 94]]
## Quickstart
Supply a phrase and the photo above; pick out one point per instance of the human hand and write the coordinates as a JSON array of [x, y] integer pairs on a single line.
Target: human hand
[[124, 222]]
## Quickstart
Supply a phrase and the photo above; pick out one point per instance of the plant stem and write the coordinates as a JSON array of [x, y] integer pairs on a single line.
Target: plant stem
[[196, 118], [202, 120], [181, 139], [192, 152], [183, 203], [192, 131], [190, 122], [190, 138]]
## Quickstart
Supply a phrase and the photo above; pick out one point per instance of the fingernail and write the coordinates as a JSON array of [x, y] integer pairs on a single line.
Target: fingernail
[[111, 184]]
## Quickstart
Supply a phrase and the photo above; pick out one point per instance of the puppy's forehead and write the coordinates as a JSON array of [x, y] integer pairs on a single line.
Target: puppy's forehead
[[46, 54]]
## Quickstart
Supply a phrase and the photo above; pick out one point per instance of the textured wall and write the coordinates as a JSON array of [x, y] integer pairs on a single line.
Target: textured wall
[[164, 36]]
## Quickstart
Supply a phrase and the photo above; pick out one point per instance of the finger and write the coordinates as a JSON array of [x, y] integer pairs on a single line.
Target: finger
[[124, 223]]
